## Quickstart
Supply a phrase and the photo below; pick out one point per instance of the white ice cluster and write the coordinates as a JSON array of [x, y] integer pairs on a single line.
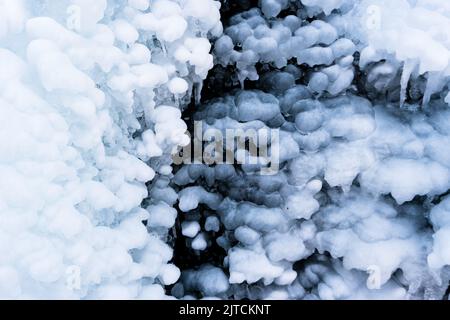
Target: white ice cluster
[[358, 208], [96, 97], [91, 93], [326, 147], [252, 38], [404, 47]]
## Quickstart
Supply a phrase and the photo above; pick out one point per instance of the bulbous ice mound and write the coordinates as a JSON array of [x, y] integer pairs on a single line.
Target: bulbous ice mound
[[362, 126], [252, 37], [349, 185], [91, 91], [404, 47]]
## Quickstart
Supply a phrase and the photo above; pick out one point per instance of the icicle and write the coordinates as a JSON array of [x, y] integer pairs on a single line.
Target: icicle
[[434, 84], [241, 79], [408, 69], [447, 98], [198, 92]]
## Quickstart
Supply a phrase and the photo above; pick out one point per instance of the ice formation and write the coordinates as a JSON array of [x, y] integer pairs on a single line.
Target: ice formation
[[97, 97], [90, 112]]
